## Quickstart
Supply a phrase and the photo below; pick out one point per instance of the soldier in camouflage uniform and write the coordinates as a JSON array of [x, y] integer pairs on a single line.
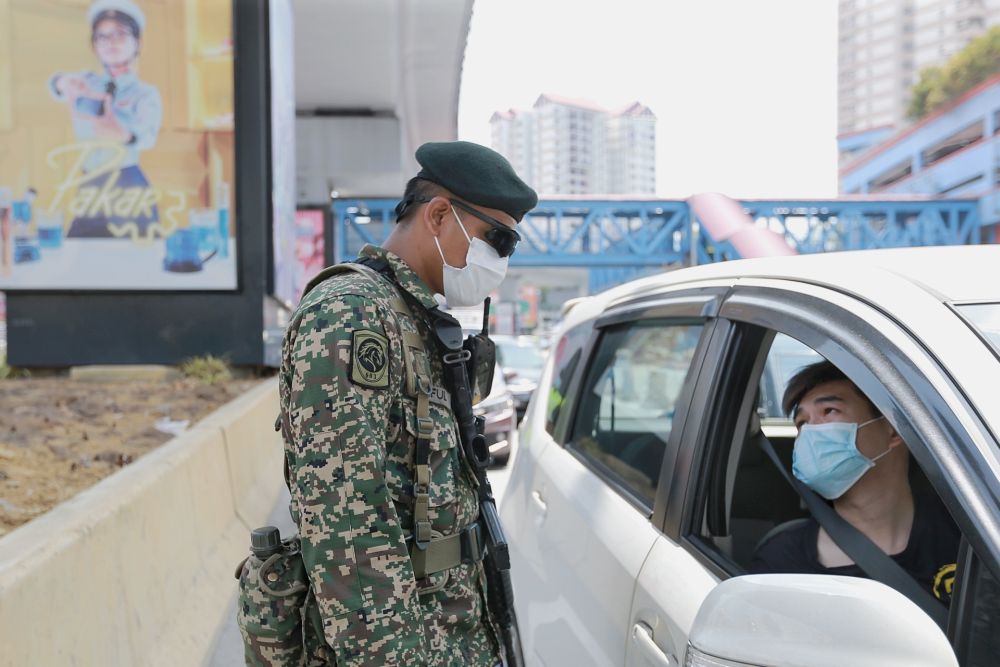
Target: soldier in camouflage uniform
[[356, 357]]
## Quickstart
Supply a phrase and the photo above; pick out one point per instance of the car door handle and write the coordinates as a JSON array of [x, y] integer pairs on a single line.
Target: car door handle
[[537, 497], [642, 637]]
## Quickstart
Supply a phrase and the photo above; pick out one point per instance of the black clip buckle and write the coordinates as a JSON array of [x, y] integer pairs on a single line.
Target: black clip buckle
[[473, 548]]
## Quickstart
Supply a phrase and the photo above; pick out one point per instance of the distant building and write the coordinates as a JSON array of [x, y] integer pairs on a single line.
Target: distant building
[[631, 151], [853, 144], [883, 45], [512, 133], [874, 63], [954, 152], [571, 147], [942, 28]]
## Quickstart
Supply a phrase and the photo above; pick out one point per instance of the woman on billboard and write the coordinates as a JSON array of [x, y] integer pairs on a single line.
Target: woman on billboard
[[115, 115]]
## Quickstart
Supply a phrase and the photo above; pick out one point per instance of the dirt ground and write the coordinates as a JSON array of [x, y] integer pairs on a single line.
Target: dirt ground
[[59, 436]]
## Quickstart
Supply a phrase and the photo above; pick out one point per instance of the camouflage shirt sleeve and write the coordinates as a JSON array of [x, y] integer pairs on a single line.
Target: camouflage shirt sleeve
[[352, 542]]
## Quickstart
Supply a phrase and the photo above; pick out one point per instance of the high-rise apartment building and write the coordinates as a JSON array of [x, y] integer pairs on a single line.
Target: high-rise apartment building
[[515, 132], [570, 147], [875, 63], [631, 152], [942, 28], [884, 44]]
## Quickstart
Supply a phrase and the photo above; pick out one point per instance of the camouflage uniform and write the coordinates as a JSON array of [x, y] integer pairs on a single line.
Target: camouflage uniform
[[350, 432]]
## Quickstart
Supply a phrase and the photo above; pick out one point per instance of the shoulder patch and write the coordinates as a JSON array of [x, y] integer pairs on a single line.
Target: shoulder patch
[[369, 359]]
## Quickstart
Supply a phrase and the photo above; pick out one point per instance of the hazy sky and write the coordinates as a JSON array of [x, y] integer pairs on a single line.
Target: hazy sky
[[744, 90]]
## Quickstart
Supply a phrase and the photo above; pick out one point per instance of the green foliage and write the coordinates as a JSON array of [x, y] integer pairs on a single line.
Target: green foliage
[[206, 369], [926, 93], [939, 86], [9, 372]]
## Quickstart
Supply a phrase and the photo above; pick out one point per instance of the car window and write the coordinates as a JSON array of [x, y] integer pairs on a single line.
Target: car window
[[515, 355], [626, 405], [752, 515], [565, 360], [786, 357], [746, 495]]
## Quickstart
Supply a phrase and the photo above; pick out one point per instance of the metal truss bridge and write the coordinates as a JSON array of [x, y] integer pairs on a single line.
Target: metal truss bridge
[[621, 239]]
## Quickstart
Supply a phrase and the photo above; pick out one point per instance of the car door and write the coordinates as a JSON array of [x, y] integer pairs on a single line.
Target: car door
[[676, 578], [673, 581], [728, 492], [593, 494], [519, 509]]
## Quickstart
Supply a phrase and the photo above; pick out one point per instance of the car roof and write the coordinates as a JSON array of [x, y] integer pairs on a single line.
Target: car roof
[[949, 273], [953, 273], [911, 285]]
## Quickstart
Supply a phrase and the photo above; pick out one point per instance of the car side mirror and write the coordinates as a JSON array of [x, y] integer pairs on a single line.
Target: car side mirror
[[812, 620]]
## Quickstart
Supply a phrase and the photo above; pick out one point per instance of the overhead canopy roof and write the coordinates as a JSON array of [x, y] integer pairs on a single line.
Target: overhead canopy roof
[[383, 58]]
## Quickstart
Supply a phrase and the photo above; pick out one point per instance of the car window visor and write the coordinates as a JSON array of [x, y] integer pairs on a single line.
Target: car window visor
[[866, 554]]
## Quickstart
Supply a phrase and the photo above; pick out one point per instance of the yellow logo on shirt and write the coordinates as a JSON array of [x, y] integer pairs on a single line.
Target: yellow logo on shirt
[[944, 581]]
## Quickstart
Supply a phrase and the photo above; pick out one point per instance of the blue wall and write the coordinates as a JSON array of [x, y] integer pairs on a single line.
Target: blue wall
[[972, 171]]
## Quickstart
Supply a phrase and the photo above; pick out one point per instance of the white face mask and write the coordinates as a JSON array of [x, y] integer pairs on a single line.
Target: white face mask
[[483, 272]]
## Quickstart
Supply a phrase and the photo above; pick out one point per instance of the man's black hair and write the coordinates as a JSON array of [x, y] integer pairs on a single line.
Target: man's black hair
[[416, 188], [810, 377]]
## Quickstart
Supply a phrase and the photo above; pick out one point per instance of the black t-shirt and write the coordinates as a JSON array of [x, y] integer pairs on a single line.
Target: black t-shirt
[[929, 555]]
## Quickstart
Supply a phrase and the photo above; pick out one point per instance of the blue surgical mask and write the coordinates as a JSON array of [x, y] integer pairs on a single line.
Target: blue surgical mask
[[826, 457]]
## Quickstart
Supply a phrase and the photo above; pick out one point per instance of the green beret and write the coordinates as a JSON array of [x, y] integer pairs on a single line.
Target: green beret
[[478, 175]]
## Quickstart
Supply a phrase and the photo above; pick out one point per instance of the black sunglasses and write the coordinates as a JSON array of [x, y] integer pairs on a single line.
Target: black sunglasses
[[501, 238]]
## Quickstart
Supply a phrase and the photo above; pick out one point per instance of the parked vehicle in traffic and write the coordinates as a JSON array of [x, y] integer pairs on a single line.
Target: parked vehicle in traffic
[[521, 359], [640, 491], [498, 410]]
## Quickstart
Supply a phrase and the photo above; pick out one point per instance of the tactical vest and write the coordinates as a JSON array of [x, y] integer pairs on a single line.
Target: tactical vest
[[429, 553]]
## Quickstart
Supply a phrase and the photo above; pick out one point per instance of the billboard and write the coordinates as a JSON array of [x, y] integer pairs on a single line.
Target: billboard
[[116, 145], [310, 255]]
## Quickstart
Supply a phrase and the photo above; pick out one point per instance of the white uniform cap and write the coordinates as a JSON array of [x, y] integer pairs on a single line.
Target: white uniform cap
[[126, 7]]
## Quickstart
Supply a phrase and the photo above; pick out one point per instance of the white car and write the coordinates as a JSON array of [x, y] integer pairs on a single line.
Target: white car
[[638, 495], [521, 361], [497, 409]]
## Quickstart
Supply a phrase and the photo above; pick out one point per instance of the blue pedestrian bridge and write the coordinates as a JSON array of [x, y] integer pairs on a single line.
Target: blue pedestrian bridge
[[619, 239]]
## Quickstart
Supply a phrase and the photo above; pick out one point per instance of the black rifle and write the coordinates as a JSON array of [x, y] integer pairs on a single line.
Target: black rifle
[[496, 563]]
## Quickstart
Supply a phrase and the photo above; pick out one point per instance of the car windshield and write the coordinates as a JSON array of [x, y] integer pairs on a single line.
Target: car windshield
[[513, 355], [984, 318]]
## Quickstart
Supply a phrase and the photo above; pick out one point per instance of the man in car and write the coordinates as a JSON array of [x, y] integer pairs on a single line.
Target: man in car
[[849, 453]]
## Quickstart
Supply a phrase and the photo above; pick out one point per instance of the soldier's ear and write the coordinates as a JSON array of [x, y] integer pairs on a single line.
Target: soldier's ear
[[435, 215]]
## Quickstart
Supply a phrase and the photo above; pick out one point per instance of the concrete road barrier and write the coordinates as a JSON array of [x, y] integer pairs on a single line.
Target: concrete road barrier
[[135, 570]]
